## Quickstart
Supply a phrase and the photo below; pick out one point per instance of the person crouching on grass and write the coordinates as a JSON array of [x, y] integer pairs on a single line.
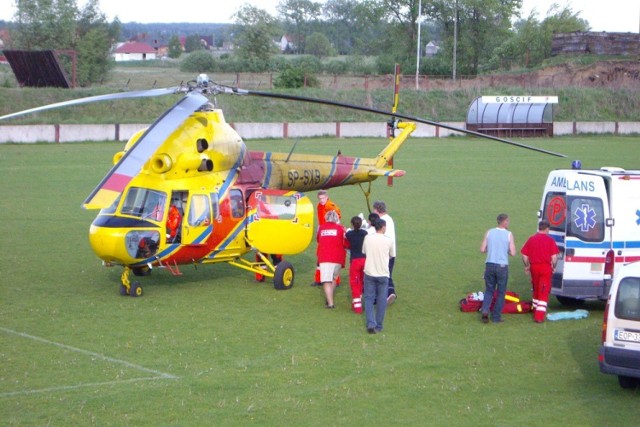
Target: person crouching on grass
[[331, 253], [377, 248]]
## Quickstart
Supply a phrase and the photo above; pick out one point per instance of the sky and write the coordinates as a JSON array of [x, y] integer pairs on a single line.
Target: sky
[[612, 16]]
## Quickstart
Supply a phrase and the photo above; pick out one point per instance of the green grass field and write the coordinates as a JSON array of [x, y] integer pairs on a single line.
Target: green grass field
[[214, 347]]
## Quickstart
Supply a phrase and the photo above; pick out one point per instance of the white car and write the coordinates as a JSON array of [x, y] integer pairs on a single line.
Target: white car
[[620, 349]]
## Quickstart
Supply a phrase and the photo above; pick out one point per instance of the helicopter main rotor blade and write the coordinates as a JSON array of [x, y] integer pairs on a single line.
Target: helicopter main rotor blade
[[132, 161], [97, 98], [394, 114]]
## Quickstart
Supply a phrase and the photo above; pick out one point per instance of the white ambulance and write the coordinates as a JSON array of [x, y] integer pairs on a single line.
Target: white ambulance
[[595, 221]]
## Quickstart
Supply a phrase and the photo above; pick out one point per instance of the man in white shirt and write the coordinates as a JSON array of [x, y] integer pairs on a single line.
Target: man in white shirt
[[380, 208], [378, 249]]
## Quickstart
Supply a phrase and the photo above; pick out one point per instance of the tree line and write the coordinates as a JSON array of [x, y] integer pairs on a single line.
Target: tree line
[[473, 36]]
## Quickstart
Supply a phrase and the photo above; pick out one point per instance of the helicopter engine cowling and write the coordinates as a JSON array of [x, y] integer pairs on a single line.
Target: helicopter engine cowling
[[191, 161], [161, 163]]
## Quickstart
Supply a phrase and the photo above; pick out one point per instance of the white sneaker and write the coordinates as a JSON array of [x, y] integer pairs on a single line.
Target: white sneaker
[[391, 299]]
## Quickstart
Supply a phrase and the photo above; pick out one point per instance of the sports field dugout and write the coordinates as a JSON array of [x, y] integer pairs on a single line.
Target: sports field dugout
[[512, 116]]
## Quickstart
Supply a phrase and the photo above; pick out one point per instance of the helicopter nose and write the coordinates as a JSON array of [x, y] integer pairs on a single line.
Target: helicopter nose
[[121, 245], [108, 244]]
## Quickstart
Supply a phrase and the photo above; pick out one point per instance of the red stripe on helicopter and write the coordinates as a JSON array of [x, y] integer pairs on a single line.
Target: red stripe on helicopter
[[343, 167]]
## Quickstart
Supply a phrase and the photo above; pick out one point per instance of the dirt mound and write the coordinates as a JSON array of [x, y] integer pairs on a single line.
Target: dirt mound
[[611, 74], [607, 74]]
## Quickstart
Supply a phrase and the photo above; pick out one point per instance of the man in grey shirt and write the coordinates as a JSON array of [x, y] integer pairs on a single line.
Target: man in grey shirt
[[498, 244]]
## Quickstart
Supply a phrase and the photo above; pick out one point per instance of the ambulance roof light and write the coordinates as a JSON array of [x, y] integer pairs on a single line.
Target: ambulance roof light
[[576, 164]]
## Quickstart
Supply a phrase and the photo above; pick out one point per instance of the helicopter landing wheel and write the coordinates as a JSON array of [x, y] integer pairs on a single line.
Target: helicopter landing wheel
[[284, 276], [141, 271], [135, 290], [123, 290]]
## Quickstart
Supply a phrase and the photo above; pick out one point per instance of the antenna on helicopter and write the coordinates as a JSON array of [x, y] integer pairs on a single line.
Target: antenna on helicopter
[[291, 152]]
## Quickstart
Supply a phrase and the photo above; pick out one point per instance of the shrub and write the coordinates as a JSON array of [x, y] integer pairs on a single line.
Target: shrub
[[307, 63], [294, 77], [336, 67], [199, 61]]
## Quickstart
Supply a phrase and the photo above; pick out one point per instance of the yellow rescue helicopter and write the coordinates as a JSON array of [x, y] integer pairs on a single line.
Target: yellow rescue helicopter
[[186, 190]]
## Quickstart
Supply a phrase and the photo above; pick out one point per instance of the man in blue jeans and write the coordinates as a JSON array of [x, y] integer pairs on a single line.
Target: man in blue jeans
[[377, 248], [498, 244]]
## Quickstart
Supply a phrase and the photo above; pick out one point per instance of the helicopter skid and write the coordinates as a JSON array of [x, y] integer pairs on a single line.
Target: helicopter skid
[[264, 268]]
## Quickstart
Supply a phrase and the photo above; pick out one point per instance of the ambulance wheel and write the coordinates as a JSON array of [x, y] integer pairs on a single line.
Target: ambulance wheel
[[135, 290], [570, 302], [284, 275], [627, 382]]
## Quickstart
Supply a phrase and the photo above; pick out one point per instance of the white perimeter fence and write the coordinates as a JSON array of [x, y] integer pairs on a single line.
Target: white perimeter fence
[[118, 132]]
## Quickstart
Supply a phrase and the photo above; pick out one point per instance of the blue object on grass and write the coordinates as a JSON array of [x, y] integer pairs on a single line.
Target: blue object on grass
[[564, 315]]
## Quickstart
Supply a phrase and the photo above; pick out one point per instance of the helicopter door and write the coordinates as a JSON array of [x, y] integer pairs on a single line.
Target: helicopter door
[[197, 225], [279, 222], [228, 229]]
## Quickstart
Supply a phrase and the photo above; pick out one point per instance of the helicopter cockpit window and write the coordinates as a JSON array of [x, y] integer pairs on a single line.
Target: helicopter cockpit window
[[277, 207], [237, 203], [144, 203], [215, 206], [200, 210], [111, 209]]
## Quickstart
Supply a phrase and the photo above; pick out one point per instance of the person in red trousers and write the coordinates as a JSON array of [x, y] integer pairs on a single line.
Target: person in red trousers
[[354, 239], [540, 255]]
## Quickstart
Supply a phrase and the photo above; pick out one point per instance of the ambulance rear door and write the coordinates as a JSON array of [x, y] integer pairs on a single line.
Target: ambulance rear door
[[625, 211], [587, 237]]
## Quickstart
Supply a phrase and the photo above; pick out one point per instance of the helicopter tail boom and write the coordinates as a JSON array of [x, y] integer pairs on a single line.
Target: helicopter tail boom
[[387, 153]]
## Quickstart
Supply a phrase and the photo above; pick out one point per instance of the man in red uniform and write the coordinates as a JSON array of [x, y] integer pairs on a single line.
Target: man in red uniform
[[173, 223], [324, 205], [331, 254], [540, 255]]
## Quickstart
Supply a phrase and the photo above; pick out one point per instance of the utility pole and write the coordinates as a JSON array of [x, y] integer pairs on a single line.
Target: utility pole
[[419, 20], [455, 39]]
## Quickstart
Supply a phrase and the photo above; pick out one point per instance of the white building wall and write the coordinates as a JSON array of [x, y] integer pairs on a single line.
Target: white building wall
[[120, 57]]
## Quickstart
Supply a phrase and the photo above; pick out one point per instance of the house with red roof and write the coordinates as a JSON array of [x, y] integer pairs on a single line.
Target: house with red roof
[[134, 51]]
